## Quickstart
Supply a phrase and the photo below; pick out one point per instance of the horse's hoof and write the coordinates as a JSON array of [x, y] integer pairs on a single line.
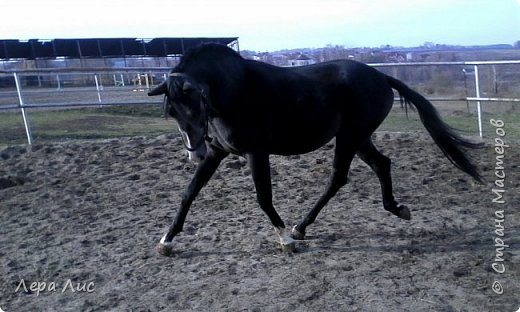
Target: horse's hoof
[[404, 213], [165, 248], [401, 211], [288, 245], [286, 241], [297, 234]]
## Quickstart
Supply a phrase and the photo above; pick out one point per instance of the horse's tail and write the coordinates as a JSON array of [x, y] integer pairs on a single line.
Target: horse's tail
[[443, 135]]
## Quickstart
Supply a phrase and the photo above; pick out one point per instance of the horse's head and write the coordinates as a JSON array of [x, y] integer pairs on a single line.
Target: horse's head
[[186, 101]]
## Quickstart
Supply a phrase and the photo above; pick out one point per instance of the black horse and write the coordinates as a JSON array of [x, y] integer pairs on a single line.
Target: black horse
[[226, 104]]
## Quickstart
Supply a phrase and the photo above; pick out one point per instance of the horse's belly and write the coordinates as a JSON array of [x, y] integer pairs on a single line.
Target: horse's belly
[[303, 137], [289, 134]]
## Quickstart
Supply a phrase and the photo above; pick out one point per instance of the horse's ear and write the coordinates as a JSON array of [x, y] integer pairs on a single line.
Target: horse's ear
[[160, 89]]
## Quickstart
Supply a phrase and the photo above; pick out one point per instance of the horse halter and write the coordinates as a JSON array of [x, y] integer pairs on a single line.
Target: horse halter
[[203, 103]]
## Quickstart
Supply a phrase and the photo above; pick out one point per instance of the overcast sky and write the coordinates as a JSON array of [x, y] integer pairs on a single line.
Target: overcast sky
[[270, 24]]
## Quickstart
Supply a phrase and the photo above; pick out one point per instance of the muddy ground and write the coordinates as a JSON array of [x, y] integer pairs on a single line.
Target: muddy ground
[[81, 221]]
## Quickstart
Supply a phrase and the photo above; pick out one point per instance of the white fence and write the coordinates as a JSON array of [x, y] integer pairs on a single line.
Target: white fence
[[64, 88], [477, 96], [68, 87]]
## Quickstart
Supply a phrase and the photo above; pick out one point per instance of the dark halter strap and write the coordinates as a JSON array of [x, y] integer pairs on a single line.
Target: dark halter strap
[[204, 106], [205, 136]]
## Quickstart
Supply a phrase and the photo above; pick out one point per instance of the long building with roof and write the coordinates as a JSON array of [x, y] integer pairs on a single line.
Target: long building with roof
[[122, 52]]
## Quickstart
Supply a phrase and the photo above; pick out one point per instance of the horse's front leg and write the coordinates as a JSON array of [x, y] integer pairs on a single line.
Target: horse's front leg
[[204, 172], [261, 172]]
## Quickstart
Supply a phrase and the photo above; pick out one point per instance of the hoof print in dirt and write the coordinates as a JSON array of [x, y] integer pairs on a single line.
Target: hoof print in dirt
[[7, 182]]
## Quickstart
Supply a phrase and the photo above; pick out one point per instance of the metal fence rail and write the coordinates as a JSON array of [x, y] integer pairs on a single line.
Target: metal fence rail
[[477, 98], [105, 86]]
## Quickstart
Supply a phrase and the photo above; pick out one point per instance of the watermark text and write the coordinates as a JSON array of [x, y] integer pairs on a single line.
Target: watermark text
[[46, 286], [498, 200]]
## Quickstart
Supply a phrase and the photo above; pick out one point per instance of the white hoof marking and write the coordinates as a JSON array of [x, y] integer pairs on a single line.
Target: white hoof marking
[[163, 239], [297, 234], [165, 248], [286, 241]]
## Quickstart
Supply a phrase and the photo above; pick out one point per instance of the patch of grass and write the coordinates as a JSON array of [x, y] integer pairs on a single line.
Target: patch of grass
[[511, 125], [84, 123], [147, 110], [147, 120], [12, 129], [465, 123]]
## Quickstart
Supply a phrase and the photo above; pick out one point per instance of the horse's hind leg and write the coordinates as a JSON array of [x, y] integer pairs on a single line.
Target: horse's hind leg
[[261, 172], [380, 164], [342, 159]]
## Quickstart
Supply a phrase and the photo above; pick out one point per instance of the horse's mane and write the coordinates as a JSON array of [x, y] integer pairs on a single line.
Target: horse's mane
[[210, 49], [212, 63], [208, 53]]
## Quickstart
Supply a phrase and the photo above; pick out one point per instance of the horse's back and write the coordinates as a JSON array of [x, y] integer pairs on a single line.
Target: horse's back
[[359, 92], [355, 85], [296, 110]]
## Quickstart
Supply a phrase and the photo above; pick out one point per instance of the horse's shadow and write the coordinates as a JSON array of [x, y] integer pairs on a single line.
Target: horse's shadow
[[413, 242]]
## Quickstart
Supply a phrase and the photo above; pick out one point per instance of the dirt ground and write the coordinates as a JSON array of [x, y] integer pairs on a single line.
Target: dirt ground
[[80, 222]]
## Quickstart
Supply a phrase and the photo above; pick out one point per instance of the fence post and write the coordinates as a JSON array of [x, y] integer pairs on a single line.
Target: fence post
[[58, 81], [98, 88], [22, 107], [147, 81], [477, 91]]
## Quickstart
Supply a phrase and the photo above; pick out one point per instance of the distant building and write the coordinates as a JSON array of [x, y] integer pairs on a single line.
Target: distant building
[[301, 60], [395, 57]]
